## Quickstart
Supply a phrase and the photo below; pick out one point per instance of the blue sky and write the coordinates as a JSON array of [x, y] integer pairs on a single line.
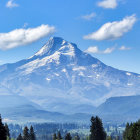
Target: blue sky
[[107, 29]]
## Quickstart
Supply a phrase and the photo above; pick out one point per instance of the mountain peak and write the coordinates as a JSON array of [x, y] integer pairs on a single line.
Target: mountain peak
[[59, 50], [56, 38], [56, 44]]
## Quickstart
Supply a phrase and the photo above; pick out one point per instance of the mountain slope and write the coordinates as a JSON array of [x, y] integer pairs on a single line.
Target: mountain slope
[[123, 109], [17, 109], [60, 77]]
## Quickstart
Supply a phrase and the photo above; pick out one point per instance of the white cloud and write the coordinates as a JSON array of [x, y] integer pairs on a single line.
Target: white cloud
[[113, 30], [20, 37], [94, 49], [11, 4], [108, 4], [109, 50], [124, 48], [89, 16]]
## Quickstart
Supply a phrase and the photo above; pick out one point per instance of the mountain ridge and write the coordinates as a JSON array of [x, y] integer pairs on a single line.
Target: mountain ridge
[[60, 75], [120, 109]]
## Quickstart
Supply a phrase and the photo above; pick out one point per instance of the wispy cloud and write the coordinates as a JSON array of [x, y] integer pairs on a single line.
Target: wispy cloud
[[108, 4], [109, 50], [95, 49], [124, 48], [92, 49], [20, 37], [11, 4], [89, 16], [113, 30]]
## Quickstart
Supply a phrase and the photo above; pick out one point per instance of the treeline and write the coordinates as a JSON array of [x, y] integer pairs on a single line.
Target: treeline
[[27, 134], [67, 137], [97, 132], [96, 129], [132, 131], [46, 130], [4, 131]]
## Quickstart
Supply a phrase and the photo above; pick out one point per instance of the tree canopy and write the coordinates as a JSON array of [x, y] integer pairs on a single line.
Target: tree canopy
[[3, 131], [96, 129]]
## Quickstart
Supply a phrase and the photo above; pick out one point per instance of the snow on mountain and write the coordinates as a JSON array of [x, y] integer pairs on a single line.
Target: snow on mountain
[[60, 76]]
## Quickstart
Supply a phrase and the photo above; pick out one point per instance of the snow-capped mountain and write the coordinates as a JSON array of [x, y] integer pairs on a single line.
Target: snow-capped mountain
[[60, 77]]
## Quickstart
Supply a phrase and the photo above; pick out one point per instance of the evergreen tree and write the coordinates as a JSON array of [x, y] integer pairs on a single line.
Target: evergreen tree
[[26, 133], [19, 137], [68, 136], [59, 137], [3, 133], [96, 129], [54, 136], [132, 131], [7, 131], [32, 133], [126, 133]]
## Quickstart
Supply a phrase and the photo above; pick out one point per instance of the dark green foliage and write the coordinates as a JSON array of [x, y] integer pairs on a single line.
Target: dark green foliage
[[68, 136], [32, 133], [132, 131], [7, 131], [19, 137], [3, 133], [26, 133], [96, 129]]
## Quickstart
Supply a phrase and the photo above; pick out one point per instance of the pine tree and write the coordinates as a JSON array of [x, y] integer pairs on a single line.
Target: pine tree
[[68, 136], [19, 137], [26, 133], [132, 131], [96, 129], [32, 133], [3, 134], [54, 136], [126, 133], [59, 137], [7, 131]]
